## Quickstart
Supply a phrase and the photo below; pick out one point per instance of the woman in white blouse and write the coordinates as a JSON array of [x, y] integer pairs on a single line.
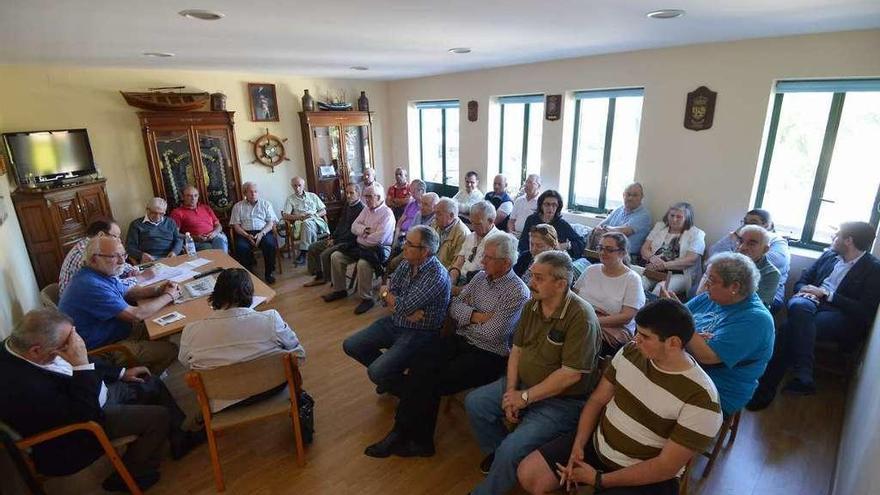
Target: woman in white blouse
[[614, 290], [674, 245]]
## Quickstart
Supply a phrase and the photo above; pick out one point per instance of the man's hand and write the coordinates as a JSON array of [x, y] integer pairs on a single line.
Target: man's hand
[[74, 350], [666, 294], [511, 415], [456, 290], [581, 472], [329, 241], [135, 374], [171, 288], [416, 316], [146, 258], [513, 399], [811, 290], [480, 318], [258, 238]]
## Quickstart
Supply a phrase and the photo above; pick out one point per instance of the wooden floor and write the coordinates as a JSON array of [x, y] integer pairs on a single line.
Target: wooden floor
[[787, 449]]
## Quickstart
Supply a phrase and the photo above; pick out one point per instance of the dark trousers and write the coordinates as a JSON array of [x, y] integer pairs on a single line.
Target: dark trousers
[[451, 367], [244, 254]]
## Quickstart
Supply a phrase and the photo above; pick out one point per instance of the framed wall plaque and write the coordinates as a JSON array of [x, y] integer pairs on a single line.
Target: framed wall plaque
[[699, 112], [552, 107], [473, 110]]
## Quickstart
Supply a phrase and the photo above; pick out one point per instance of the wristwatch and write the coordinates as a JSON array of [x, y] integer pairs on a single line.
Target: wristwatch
[[525, 396]]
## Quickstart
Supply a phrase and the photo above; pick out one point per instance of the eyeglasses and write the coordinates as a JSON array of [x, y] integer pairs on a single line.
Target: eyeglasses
[[118, 256], [409, 244], [609, 250]]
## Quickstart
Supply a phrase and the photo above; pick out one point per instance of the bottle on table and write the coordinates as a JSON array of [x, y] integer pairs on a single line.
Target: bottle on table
[[190, 245]]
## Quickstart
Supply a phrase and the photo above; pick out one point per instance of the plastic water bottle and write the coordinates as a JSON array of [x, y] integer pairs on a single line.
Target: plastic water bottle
[[190, 245]]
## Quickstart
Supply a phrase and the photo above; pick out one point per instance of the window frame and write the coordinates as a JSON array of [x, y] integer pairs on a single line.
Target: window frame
[[443, 105], [839, 89], [611, 95], [528, 100]]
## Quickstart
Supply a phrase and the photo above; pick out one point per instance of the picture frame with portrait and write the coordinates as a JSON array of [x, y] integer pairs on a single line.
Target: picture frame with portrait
[[264, 102]]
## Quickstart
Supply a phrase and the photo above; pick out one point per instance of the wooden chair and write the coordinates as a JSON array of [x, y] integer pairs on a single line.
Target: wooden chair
[[49, 296], [242, 380], [278, 252], [730, 425]]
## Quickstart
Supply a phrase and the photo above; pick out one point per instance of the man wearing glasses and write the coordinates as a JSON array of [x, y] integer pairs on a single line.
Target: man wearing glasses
[[467, 263], [98, 303], [155, 235]]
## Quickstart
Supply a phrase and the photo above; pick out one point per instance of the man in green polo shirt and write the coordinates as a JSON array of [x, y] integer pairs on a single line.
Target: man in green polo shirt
[[549, 374]]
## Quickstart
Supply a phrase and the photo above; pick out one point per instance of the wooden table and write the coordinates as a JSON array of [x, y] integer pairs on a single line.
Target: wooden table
[[198, 309]]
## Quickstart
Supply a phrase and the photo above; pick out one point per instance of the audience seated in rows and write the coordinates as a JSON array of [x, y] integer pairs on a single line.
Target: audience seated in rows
[[550, 212], [501, 201], [467, 262], [653, 410], [484, 315], [451, 229], [779, 255], [98, 303], [47, 381], [252, 220], [418, 296], [307, 215], [469, 194], [674, 245], [154, 236], [835, 299], [549, 374], [753, 242], [318, 257], [524, 205], [73, 261], [236, 333], [426, 203], [614, 290], [399, 193], [199, 220], [373, 230], [631, 219]]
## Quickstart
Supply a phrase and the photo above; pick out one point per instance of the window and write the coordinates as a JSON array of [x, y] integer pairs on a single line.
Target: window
[[438, 141], [519, 150], [820, 161], [604, 148]]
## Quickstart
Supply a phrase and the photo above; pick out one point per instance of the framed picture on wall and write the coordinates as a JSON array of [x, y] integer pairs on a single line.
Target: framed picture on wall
[[553, 107], [264, 103]]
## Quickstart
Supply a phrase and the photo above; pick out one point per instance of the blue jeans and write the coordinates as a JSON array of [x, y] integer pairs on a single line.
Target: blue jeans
[[385, 369], [808, 321], [218, 242], [244, 254], [539, 423]]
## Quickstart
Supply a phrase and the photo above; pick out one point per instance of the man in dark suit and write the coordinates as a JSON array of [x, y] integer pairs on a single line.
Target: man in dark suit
[[47, 381], [835, 299]]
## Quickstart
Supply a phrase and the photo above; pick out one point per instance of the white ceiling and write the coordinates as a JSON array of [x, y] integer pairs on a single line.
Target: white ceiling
[[395, 38]]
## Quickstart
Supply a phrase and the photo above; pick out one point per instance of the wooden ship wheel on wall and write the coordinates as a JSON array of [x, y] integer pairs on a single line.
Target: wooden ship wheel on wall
[[269, 150]]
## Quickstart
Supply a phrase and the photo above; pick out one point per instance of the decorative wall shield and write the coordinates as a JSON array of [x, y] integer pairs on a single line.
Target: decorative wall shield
[[700, 109]]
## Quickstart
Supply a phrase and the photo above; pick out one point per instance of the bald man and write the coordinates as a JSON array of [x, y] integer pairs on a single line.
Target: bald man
[[307, 213]]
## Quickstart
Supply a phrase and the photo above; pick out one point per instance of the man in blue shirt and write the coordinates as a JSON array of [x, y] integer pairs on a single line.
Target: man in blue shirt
[[632, 220], [418, 296], [96, 300], [835, 299]]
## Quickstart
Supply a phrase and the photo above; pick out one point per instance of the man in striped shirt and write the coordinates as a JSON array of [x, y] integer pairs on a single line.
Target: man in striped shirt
[[660, 409]]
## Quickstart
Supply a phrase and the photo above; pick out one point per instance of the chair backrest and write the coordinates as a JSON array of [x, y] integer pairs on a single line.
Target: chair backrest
[[242, 380], [49, 295]]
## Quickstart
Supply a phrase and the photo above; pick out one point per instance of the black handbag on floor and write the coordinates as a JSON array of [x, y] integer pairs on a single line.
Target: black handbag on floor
[[306, 406]]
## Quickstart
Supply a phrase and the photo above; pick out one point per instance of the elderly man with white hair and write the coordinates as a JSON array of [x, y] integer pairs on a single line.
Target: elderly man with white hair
[[374, 230], [467, 262], [155, 235], [524, 205], [252, 220], [451, 229], [307, 213]]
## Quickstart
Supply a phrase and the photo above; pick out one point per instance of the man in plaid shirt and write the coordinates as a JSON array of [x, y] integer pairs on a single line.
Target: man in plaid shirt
[[418, 296]]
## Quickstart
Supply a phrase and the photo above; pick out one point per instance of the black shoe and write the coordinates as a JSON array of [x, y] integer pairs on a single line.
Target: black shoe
[[411, 448], [270, 279], [486, 464], [184, 442], [144, 481], [385, 447], [796, 386], [364, 306], [333, 296], [761, 400], [301, 259]]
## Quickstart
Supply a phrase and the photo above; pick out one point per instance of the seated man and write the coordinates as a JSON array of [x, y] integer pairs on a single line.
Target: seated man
[[252, 220], [368, 178], [154, 236], [235, 333], [307, 213], [130, 276], [524, 205], [418, 296], [632, 219], [468, 195], [373, 230], [200, 221], [778, 255], [548, 375], [754, 242], [47, 381], [424, 216], [451, 229], [399, 193], [98, 303], [318, 257], [501, 201], [484, 315], [467, 262], [639, 446], [835, 299]]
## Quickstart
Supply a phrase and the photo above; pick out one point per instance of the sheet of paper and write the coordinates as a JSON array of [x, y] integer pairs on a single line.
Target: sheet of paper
[[164, 272], [197, 262], [169, 318], [185, 274], [257, 301]]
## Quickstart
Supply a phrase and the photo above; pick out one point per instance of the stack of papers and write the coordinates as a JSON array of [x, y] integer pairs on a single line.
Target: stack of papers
[[184, 271]]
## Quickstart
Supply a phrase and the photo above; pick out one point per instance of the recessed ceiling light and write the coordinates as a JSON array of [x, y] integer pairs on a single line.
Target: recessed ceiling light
[[202, 15], [359, 67], [158, 54], [460, 50], [665, 14]]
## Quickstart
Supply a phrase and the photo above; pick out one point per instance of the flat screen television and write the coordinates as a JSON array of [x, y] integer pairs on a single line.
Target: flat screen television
[[50, 157]]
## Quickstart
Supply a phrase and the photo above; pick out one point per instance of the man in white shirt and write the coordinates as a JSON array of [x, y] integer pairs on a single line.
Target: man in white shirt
[[524, 205], [468, 195], [252, 219], [469, 259]]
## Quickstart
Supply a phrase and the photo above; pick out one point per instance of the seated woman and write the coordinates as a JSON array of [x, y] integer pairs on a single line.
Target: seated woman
[[542, 237], [550, 212], [236, 333], [614, 290], [674, 245]]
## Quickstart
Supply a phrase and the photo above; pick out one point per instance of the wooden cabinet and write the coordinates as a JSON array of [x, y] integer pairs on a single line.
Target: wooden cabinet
[[338, 148], [53, 220], [195, 148]]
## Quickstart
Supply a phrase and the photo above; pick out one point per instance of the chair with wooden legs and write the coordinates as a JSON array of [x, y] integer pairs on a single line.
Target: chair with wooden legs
[[729, 425], [242, 380]]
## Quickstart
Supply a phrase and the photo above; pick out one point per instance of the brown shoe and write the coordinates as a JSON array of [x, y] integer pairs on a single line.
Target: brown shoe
[[315, 283]]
